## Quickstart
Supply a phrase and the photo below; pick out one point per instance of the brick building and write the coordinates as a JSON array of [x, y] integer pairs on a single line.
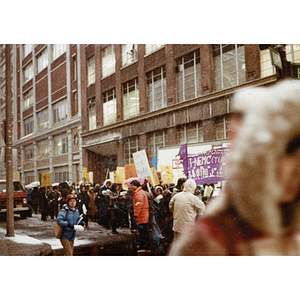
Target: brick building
[[94, 105]]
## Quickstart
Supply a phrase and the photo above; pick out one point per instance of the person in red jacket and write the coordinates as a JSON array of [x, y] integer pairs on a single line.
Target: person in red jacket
[[141, 213]]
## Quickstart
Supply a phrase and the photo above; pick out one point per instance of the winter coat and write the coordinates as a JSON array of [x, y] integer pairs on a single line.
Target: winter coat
[[93, 208], [141, 205], [186, 207], [83, 198], [35, 196], [63, 219], [53, 198], [113, 198], [43, 202]]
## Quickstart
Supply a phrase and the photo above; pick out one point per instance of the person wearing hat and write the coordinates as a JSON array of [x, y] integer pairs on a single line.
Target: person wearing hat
[[68, 218]]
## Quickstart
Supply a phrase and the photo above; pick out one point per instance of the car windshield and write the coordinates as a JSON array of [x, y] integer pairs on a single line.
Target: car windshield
[[17, 187]]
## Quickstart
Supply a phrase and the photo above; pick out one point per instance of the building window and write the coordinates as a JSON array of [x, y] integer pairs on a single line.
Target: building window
[[27, 48], [131, 146], [131, 105], [42, 119], [152, 47], [293, 53], [29, 153], [27, 73], [61, 174], [29, 177], [188, 79], [222, 127], [92, 114], [43, 149], [129, 54], [74, 67], [156, 89], [59, 111], [109, 107], [156, 140], [108, 61], [42, 61], [75, 103], [190, 133], [58, 50], [91, 70], [228, 66], [28, 126], [28, 99], [266, 67], [60, 144]]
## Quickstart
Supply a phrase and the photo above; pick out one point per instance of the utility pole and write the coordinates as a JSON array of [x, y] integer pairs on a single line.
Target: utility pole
[[8, 146]]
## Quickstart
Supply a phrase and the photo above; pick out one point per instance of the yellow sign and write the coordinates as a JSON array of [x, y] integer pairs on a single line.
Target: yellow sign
[[16, 175], [84, 173], [154, 177], [120, 177], [45, 179], [166, 174]]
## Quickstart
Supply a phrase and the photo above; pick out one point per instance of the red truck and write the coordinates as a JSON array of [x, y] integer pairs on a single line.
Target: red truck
[[20, 199]]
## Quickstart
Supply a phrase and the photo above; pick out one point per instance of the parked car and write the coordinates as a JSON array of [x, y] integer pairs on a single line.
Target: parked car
[[20, 199]]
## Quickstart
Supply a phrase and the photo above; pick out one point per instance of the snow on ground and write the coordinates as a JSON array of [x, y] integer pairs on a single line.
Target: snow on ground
[[55, 243], [23, 239]]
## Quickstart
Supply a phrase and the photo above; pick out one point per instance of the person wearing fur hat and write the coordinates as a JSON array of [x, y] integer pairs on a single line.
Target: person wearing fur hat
[[258, 212], [68, 218]]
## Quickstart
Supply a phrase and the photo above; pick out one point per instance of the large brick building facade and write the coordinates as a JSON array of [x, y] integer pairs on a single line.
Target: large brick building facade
[[92, 106]]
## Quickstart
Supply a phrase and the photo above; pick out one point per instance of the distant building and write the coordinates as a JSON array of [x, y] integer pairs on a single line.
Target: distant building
[[92, 106]]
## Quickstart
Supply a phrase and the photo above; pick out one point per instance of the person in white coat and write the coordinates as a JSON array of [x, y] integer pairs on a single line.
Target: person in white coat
[[186, 208]]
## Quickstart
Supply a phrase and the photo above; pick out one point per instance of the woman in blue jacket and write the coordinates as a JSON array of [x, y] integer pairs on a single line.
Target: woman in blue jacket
[[67, 218]]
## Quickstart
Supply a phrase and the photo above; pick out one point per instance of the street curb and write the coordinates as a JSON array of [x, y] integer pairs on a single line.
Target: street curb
[[11, 248]]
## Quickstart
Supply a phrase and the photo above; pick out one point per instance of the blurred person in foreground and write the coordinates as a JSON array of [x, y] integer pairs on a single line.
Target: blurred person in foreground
[[258, 211]]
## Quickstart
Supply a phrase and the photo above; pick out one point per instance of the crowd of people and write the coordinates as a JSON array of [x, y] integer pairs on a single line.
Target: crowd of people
[[257, 212], [143, 208]]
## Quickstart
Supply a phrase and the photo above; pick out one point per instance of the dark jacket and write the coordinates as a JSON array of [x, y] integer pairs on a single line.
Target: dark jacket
[[83, 198], [68, 216]]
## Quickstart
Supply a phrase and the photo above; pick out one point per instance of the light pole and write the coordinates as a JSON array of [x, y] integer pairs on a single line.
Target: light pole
[[8, 146]]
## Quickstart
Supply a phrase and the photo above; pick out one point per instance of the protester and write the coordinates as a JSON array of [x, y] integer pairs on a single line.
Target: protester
[[130, 210], [92, 206], [186, 208], [179, 187], [29, 200], [113, 195], [68, 218], [44, 208], [141, 212], [83, 204], [258, 212], [104, 203], [165, 216], [53, 202], [35, 195], [208, 190]]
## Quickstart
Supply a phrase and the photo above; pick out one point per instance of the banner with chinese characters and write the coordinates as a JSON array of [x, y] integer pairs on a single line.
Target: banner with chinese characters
[[206, 167]]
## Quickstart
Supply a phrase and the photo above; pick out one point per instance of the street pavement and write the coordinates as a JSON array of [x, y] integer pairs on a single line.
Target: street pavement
[[35, 237]]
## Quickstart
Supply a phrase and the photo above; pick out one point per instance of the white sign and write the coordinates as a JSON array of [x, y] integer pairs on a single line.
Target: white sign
[[141, 164]]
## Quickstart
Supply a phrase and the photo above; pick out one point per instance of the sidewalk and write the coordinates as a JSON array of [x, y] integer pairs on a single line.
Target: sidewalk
[[21, 245]]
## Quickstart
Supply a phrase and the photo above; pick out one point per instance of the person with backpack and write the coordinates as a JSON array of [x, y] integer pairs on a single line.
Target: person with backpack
[[68, 218]]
